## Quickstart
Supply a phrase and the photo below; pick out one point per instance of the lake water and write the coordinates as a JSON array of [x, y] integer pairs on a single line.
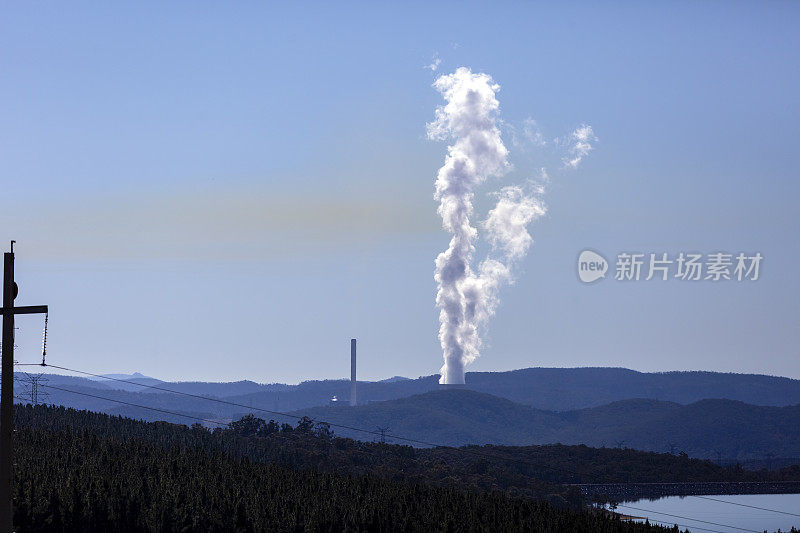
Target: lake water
[[721, 514]]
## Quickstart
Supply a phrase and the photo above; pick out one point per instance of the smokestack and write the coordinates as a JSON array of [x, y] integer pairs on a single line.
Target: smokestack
[[352, 371]]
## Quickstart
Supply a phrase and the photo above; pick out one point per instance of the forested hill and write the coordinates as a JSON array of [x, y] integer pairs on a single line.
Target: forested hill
[[562, 389], [91, 472], [705, 429]]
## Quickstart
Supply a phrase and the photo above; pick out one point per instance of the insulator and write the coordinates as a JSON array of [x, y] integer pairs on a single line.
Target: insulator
[[44, 338]]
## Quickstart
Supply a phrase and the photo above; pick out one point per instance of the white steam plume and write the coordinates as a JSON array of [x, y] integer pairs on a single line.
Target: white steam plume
[[467, 299]]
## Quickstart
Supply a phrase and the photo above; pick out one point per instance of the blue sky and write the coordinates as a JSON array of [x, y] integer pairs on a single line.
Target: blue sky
[[219, 192]]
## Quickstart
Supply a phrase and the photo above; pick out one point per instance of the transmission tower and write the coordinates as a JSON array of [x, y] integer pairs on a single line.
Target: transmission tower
[[383, 431], [32, 383]]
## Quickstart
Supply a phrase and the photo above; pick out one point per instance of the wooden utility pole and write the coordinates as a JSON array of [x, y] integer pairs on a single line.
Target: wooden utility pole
[[7, 387]]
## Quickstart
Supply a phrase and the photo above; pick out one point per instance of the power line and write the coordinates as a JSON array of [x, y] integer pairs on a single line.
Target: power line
[[687, 518], [137, 405], [382, 434], [176, 413], [745, 505]]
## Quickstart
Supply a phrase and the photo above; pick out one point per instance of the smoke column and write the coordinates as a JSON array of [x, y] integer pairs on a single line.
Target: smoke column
[[466, 298]]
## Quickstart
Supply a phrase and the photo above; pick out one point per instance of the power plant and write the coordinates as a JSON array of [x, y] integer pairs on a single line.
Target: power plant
[[352, 372]]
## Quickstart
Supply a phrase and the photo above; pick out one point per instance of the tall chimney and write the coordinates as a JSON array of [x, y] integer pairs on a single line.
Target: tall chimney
[[352, 371]]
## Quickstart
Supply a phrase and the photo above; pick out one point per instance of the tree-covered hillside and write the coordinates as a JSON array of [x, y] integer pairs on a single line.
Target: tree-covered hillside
[[704, 429], [524, 470], [90, 472], [73, 481]]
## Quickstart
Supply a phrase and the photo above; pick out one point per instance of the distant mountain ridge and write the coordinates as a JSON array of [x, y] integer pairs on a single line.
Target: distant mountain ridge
[[562, 389], [135, 375], [556, 389], [129, 382], [552, 389]]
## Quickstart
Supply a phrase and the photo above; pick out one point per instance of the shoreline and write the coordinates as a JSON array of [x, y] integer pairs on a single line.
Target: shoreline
[[637, 491]]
